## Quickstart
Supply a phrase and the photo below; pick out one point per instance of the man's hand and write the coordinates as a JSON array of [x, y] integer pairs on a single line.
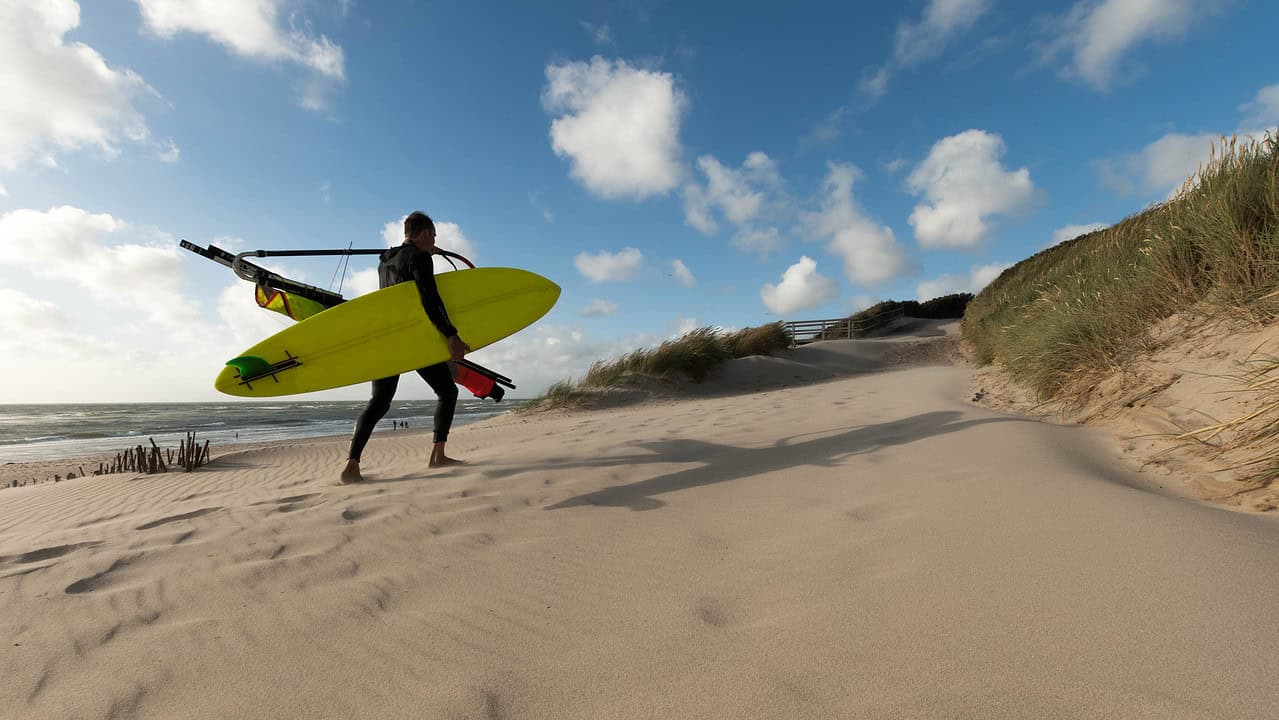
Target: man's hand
[[457, 348]]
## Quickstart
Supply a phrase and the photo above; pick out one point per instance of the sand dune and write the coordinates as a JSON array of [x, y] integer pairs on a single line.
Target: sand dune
[[873, 546]]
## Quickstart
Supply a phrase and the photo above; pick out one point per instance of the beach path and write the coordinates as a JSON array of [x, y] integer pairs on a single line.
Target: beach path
[[875, 546]]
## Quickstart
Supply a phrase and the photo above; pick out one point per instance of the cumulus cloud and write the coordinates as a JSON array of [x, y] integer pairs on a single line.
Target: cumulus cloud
[[1070, 232], [60, 96], [599, 307], [869, 248], [361, 282], [682, 273], [978, 278], [1096, 35], [74, 245], [1163, 166], [964, 183], [114, 307], [617, 124], [801, 288], [23, 315], [925, 39], [253, 29], [605, 266], [748, 198]]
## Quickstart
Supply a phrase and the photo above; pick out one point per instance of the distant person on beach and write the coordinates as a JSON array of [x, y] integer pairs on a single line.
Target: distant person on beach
[[411, 262]]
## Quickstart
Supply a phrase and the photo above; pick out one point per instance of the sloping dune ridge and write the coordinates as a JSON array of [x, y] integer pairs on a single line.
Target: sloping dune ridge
[[837, 533]]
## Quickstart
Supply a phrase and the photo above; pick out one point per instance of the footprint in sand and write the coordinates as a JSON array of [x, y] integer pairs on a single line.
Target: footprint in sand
[[177, 518], [709, 611]]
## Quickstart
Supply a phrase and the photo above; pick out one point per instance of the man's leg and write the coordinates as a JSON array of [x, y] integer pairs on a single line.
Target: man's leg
[[379, 403], [440, 378]]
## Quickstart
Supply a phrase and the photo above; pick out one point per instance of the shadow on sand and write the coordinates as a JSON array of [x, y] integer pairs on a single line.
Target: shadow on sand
[[722, 463]]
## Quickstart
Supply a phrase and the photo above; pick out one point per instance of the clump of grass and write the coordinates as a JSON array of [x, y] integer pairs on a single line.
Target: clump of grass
[[693, 355], [1067, 313], [759, 340]]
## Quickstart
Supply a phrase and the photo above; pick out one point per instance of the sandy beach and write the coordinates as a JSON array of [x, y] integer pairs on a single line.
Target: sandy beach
[[793, 542]]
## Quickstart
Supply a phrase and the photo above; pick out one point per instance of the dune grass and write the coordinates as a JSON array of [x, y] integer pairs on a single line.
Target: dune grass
[[1060, 319], [693, 355]]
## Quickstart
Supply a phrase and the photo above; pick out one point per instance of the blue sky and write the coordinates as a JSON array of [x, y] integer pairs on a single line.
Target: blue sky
[[669, 165]]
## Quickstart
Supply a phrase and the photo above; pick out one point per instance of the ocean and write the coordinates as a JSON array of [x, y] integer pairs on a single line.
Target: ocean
[[51, 432]]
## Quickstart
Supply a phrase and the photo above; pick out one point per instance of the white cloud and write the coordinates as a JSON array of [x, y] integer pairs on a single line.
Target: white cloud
[[894, 165], [925, 39], [1262, 112], [23, 315], [942, 21], [59, 96], [606, 266], [169, 152], [1070, 232], [114, 308], [964, 183], [1163, 166], [827, 130], [599, 307], [249, 28], [618, 125], [875, 85], [801, 288], [73, 245], [869, 249], [761, 241], [745, 197], [252, 29], [600, 34], [361, 282], [683, 274], [1098, 34], [736, 194], [978, 278]]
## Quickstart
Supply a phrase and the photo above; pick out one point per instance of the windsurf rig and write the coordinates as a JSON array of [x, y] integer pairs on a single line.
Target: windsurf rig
[[300, 301]]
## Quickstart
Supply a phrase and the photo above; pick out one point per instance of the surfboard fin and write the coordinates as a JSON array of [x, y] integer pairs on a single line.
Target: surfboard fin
[[252, 367]]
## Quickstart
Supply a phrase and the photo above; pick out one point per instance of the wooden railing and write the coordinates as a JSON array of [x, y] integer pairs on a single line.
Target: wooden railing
[[803, 332]]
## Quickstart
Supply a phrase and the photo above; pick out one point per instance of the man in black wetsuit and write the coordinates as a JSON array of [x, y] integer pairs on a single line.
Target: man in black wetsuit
[[411, 262]]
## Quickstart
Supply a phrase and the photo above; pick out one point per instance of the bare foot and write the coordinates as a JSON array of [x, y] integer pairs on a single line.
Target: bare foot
[[444, 460], [351, 473]]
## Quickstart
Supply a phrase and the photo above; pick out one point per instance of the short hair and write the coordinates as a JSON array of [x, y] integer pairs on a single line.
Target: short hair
[[415, 223]]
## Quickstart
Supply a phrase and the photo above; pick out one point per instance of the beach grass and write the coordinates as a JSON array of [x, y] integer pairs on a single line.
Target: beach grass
[[691, 356], [1064, 317]]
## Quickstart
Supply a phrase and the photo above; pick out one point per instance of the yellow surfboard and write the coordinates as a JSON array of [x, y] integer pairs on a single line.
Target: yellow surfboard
[[387, 332]]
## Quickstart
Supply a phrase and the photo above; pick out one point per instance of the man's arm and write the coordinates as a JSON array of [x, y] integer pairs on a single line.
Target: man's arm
[[424, 278]]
